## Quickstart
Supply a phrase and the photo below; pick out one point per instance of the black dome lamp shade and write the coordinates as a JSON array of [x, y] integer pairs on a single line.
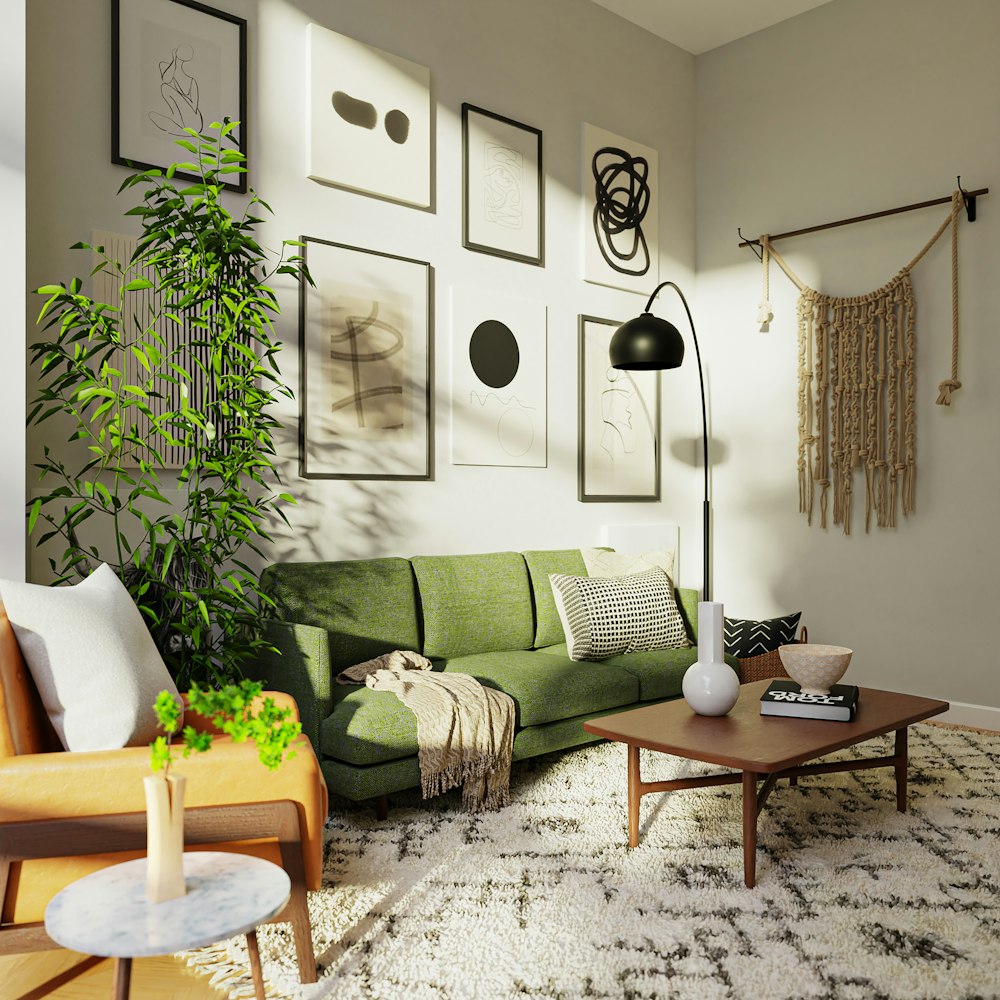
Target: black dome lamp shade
[[648, 343]]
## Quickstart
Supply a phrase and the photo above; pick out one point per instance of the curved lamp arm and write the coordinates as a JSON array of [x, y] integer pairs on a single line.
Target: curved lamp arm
[[706, 504]]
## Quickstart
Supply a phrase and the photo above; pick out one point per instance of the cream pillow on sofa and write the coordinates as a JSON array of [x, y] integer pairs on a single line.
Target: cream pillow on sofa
[[92, 659], [604, 563]]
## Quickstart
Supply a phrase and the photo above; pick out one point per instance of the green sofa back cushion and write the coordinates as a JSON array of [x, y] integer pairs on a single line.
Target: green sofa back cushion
[[368, 606], [548, 628], [474, 603]]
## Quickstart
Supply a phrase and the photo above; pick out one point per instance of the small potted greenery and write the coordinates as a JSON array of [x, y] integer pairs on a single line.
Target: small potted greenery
[[237, 711]]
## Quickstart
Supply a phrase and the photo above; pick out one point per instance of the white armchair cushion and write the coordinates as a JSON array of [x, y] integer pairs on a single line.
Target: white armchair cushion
[[92, 659]]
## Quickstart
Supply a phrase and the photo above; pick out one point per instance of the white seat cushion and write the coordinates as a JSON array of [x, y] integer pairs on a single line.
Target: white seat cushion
[[92, 659]]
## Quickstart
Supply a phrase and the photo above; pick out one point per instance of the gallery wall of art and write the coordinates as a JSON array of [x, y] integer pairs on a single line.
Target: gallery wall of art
[[805, 143], [441, 410]]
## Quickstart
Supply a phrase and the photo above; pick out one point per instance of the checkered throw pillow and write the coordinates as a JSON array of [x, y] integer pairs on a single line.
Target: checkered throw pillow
[[604, 617]]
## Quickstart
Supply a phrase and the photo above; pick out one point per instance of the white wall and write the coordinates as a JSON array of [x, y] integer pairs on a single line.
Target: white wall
[[12, 211], [553, 65], [848, 109]]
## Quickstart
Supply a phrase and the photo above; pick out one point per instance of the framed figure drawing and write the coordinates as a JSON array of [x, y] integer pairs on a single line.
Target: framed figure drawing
[[498, 379], [370, 119], [503, 211], [621, 212], [619, 446], [365, 365], [175, 64]]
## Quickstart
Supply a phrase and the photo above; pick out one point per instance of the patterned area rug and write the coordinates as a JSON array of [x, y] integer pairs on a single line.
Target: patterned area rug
[[854, 901]]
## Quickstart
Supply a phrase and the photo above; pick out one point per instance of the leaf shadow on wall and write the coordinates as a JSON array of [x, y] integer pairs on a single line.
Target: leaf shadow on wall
[[336, 518]]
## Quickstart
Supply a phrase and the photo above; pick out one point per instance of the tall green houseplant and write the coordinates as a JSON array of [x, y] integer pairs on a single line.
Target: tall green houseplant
[[169, 386]]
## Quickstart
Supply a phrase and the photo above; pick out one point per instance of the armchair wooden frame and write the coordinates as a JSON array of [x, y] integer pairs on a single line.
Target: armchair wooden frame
[[39, 839]]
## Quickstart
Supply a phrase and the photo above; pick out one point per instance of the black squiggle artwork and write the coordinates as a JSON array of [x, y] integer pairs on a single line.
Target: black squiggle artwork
[[621, 201]]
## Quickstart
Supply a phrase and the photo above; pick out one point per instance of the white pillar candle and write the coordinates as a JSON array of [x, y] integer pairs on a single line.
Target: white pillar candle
[[710, 648]]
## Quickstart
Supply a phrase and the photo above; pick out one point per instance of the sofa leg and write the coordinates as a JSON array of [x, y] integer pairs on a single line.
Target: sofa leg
[[381, 807]]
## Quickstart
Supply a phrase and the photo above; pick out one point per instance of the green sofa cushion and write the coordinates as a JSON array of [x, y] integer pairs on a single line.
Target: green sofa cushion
[[368, 606], [474, 603], [548, 627], [658, 671], [373, 727], [547, 688]]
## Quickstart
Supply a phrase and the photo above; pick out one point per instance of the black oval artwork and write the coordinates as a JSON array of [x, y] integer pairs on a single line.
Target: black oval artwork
[[494, 354], [354, 111], [621, 201], [397, 126]]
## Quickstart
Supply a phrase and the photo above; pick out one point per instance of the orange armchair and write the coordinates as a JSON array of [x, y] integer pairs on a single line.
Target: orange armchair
[[43, 787]]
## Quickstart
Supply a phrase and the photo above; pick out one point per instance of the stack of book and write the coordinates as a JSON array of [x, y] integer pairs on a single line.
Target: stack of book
[[786, 698]]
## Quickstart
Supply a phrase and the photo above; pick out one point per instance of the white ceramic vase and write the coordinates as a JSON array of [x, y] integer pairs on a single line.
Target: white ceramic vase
[[710, 686]]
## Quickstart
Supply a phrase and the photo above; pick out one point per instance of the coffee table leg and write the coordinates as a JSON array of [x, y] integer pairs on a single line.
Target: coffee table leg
[[123, 978], [633, 796], [901, 766], [255, 969], [749, 828]]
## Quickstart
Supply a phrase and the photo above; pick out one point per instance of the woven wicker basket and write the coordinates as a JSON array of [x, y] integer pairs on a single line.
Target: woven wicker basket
[[767, 665]]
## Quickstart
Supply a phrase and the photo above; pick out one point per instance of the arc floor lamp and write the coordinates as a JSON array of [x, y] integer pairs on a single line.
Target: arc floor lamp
[[649, 343]]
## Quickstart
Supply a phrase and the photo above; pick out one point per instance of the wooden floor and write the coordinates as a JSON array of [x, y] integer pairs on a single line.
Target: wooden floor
[[66, 975]]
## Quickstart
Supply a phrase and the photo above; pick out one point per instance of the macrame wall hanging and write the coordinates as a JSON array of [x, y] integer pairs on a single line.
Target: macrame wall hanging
[[857, 390]]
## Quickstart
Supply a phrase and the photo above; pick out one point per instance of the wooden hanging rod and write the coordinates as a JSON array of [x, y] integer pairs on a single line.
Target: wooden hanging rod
[[970, 204]]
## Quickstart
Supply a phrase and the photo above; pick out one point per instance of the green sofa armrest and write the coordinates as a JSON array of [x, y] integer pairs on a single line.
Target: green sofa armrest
[[300, 667]]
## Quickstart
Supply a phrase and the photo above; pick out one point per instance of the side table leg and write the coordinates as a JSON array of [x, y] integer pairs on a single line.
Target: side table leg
[[749, 828], [902, 763], [633, 796], [255, 969], [123, 978]]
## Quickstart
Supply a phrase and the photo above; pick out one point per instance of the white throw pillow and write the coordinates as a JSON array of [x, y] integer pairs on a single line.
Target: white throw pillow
[[600, 562], [92, 659], [626, 614]]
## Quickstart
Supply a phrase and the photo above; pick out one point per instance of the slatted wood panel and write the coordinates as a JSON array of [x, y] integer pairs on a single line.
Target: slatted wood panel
[[139, 307]]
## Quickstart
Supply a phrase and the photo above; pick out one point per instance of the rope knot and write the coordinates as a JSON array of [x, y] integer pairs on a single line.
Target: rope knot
[[945, 389]]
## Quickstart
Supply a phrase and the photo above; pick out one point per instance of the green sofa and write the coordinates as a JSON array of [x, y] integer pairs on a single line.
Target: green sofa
[[490, 615]]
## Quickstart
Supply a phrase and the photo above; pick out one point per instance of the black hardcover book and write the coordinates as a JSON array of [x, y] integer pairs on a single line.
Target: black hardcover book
[[786, 698]]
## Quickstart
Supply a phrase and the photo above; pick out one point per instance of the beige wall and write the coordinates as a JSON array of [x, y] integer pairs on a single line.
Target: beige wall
[[553, 65], [12, 85], [851, 108]]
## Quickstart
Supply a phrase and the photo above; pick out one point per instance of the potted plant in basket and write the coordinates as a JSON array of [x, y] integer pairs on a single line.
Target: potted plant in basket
[[236, 710]]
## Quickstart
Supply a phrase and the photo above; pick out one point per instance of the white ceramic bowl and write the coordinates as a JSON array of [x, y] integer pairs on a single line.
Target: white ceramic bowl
[[813, 666]]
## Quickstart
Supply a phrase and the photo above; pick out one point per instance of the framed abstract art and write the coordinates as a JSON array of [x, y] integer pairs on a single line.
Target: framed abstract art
[[365, 365], [175, 64], [503, 187], [619, 423]]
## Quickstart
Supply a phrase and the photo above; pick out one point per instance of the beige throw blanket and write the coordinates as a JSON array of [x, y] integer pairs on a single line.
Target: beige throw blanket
[[465, 732]]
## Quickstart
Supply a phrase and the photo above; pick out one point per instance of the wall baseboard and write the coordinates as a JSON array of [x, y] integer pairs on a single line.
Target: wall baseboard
[[980, 716]]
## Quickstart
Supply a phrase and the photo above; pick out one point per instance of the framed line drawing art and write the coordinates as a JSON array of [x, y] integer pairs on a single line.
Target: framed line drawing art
[[503, 185], [498, 379], [364, 365], [370, 119], [619, 446], [175, 64], [620, 211]]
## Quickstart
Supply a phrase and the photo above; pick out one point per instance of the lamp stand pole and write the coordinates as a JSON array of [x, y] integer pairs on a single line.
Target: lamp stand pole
[[706, 503]]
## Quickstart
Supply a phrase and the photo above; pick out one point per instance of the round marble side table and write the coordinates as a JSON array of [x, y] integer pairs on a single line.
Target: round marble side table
[[107, 912]]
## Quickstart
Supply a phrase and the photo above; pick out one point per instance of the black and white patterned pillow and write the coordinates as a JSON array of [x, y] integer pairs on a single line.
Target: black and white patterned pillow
[[745, 638], [604, 617]]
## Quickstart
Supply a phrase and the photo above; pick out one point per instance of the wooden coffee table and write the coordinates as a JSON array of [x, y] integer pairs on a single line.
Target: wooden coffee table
[[759, 746]]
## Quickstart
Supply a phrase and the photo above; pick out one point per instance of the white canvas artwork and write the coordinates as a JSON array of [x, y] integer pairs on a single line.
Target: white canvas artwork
[[498, 380], [621, 233], [619, 456], [369, 119]]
